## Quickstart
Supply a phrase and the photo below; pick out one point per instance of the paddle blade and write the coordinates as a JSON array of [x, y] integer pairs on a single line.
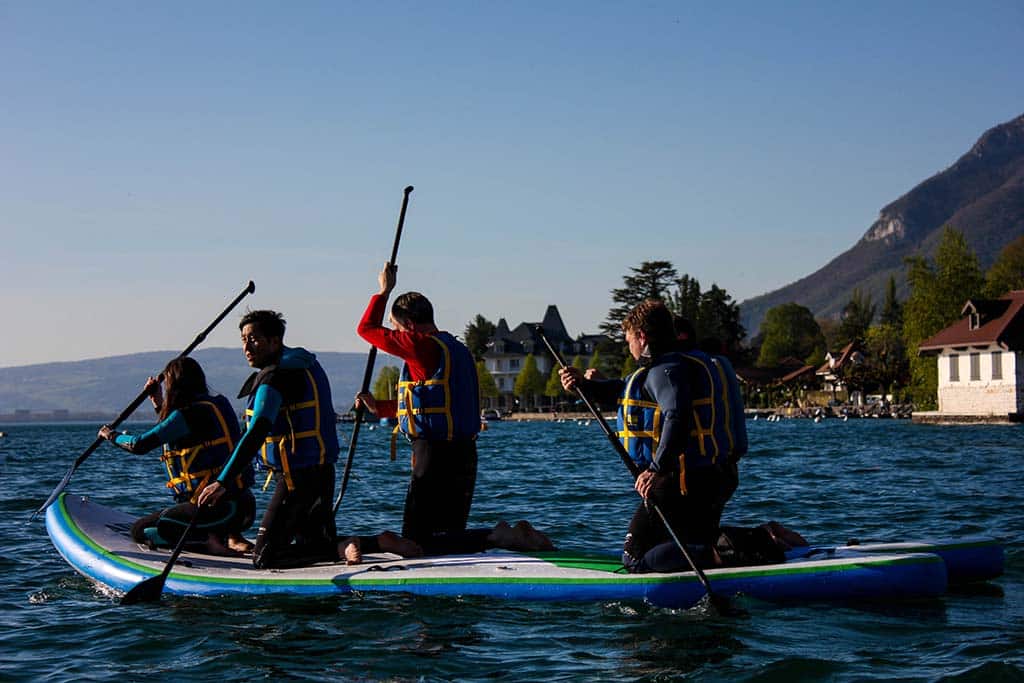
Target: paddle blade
[[55, 494], [145, 591]]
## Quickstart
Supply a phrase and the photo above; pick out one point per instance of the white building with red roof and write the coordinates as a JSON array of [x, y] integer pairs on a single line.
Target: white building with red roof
[[981, 359]]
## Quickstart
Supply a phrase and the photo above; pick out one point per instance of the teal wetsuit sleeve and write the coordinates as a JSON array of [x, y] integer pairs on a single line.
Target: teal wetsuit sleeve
[[265, 406], [170, 430]]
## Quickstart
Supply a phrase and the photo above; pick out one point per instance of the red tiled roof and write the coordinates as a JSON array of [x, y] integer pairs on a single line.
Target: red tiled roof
[[1002, 322]]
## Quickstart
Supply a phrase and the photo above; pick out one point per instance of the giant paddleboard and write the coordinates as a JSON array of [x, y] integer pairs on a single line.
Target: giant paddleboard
[[95, 540]]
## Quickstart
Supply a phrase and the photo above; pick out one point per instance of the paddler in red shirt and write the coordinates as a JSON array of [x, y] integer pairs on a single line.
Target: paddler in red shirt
[[438, 410]]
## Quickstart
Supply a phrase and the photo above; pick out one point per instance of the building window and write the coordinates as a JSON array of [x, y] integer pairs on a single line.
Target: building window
[[954, 368], [997, 365], [974, 321], [975, 367], [501, 383], [513, 363]]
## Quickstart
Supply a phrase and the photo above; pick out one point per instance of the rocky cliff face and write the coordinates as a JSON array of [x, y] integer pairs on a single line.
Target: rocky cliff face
[[981, 195]]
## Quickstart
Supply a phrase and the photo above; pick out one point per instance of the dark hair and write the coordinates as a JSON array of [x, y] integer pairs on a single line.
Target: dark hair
[[414, 307], [653, 318], [686, 335], [267, 323], [185, 381]]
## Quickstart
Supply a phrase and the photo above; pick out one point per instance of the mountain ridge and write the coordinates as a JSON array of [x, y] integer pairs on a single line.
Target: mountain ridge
[[981, 194]]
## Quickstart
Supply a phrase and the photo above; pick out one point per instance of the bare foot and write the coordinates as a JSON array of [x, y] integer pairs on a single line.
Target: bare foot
[[215, 546], [239, 544], [391, 542], [522, 537], [350, 550], [786, 538], [537, 540]]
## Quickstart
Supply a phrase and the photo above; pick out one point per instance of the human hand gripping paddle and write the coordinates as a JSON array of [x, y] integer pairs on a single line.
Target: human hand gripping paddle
[[719, 602], [249, 289], [371, 358]]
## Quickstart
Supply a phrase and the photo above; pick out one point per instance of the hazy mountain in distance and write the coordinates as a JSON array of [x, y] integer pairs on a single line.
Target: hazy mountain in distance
[[108, 385]]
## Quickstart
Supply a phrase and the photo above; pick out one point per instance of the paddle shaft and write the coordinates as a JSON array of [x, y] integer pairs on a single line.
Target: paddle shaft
[[371, 359], [150, 589], [249, 289], [630, 465]]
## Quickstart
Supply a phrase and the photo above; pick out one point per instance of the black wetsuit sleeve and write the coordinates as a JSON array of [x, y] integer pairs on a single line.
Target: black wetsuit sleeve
[[605, 392]]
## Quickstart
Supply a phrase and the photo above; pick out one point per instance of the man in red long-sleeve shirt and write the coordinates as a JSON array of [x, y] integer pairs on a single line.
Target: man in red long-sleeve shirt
[[438, 410]]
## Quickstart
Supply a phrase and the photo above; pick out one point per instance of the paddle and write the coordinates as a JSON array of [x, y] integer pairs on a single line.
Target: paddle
[[371, 358], [249, 289], [635, 471], [151, 589]]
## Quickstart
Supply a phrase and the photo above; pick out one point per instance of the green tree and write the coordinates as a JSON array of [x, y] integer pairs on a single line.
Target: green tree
[[488, 388], [791, 330], [887, 365], [650, 281], [938, 291], [1007, 273], [628, 366], [553, 388], [577, 362], [892, 309], [386, 385], [529, 382], [856, 319], [477, 335], [718, 316], [595, 360], [686, 300]]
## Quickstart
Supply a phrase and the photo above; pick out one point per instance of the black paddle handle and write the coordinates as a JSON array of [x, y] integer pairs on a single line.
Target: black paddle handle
[[150, 589], [371, 359]]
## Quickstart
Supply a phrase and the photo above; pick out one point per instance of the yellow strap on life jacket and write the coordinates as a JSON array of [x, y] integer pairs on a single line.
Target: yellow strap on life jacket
[[409, 411], [627, 402], [186, 456], [702, 431]]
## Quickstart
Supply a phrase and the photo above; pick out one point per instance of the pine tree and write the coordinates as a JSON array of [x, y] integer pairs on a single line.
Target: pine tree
[[529, 382], [386, 385], [477, 335], [488, 388], [892, 310], [938, 291], [650, 281], [1007, 273]]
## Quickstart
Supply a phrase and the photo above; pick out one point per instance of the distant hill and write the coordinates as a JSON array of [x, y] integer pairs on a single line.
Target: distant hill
[[107, 385], [981, 195]]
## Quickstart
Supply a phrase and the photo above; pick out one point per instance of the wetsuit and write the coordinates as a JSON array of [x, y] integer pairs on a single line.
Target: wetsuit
[[290, 425], [197, 441], [687, 438], [444, 457]]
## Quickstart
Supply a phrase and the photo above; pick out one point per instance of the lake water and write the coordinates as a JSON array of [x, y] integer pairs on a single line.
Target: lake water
[[869, 479]]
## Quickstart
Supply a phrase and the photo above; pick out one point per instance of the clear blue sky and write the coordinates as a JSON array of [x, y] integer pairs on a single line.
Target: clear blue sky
[[154, 157]]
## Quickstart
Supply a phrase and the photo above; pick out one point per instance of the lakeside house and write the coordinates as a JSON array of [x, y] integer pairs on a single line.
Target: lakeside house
[[981, 362], [508, 348], [832, 371]]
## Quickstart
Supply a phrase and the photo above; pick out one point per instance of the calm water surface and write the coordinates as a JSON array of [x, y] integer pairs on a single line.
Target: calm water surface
[[869, 479]]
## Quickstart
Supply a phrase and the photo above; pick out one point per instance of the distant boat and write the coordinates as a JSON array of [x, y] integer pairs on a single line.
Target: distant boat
[[490, 415]]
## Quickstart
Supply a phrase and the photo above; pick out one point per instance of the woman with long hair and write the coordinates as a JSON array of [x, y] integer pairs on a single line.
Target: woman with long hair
[[198, 433]]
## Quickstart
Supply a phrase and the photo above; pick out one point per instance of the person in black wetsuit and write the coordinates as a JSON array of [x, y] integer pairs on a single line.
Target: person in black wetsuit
[[675, 421], [198, 432], [290, 424]]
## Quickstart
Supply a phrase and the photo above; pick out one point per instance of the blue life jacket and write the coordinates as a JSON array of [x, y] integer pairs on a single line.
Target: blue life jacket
[[712, 439], [304, 433], [445, 407], [198, 458]]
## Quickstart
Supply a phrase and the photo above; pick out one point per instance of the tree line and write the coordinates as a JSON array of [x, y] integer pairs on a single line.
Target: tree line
[[938, 288]]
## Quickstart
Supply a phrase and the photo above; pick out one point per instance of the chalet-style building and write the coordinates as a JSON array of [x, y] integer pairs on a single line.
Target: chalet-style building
[[509, 348], [831, 371], [981, 359]]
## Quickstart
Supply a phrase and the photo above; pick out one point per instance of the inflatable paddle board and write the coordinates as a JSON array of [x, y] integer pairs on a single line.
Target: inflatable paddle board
[[95, 540]]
